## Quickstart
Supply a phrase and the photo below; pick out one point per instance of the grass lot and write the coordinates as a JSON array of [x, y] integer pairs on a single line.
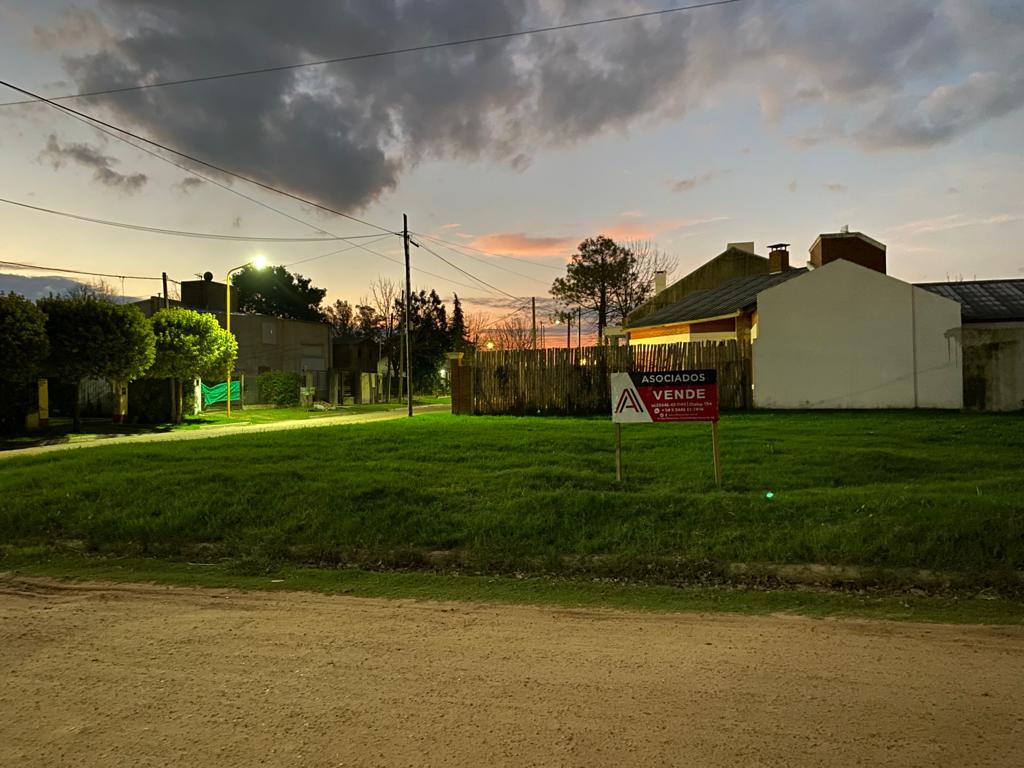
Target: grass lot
[[888, 490]]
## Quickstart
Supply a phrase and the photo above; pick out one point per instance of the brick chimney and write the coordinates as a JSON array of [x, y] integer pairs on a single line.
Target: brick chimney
[[778, 258], [851, 246], [660, 278]]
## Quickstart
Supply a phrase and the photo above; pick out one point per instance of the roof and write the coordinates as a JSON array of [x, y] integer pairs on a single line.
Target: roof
[[729, 298], [983, 301], [847, 235]]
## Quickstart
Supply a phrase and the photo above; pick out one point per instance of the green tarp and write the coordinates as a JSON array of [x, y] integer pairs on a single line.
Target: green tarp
[[216, 393]]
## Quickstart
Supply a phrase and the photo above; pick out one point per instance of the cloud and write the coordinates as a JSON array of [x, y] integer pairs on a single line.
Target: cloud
[[345, 133], [685, 185], [834, 187], [526, 245], [948, 223], [189, 184], [633, 214], [449, 226], [646, 230], [89, 156]]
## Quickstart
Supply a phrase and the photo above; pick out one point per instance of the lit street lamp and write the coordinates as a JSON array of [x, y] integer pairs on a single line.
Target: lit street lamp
[[258, 262]]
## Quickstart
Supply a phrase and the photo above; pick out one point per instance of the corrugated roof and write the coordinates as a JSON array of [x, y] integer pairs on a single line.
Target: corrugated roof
[[984, 301], [731, 296]]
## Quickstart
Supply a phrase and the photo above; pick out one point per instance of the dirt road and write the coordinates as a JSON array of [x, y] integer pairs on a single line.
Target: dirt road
[[102, 675]]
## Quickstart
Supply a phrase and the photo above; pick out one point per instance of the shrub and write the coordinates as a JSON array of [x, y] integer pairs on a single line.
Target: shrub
[[279, 387]]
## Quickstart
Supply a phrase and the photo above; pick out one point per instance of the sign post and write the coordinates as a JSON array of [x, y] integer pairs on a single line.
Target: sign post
[[652, 397]]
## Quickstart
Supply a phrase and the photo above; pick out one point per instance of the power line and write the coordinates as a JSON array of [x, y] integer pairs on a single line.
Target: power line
[[335, 253], [418, 270], [428, 249], [453, 249], [18, 265], [178, 232], [381, 54], [487, 253], [192, 158]]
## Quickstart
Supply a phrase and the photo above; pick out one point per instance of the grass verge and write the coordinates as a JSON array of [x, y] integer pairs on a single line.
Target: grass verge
[[975, 608], [538, 495]]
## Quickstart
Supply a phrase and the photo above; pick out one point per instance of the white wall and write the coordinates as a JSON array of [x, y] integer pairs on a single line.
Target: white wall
[[843, 336]]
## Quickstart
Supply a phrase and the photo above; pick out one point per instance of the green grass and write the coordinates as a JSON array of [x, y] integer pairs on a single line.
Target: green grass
[[546, 591], [875, 490]]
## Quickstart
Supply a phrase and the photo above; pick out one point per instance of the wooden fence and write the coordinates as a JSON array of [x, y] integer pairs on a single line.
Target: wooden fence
[[575, 381]]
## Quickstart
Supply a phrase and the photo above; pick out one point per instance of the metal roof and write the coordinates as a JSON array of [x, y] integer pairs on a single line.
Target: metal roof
[[984, 301], [729, 298]]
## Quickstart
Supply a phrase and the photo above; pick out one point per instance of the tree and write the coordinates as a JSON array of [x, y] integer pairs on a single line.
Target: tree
[[430, 337], [608, 280], [98, 289], [513, 333], [276, 291], [90, 338], [341, 317], [23, 350], [457, 326], [190, 345], [636, 283], [598, 265], [384, 293]]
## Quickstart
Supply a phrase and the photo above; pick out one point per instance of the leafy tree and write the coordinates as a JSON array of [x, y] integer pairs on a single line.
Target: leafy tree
[[23, 341], [457, 327], [596, 268], [23, 350], [190, 345], [341, 317], [276, 291], [90, 338], [429, 335], [608, 280]]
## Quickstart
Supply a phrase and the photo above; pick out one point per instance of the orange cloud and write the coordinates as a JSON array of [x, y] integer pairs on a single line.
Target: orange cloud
[[521, 244]]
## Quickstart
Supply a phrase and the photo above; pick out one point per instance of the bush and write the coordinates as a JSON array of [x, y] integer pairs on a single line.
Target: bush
[[149, 401], [279, 387]]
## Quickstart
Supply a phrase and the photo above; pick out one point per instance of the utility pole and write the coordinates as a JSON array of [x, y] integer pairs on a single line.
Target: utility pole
[[173, 400], [579, 327], [408, 299], [533, 314]]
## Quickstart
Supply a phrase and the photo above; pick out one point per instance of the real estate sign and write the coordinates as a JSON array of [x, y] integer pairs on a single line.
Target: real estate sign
[[643, 398]]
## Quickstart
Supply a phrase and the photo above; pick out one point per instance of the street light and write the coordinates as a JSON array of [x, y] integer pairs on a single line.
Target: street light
[[258, 262], [489, 345]]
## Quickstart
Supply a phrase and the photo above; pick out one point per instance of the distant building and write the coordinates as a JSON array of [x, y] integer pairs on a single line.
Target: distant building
[[992, 338], [265, 343], [838, 333]]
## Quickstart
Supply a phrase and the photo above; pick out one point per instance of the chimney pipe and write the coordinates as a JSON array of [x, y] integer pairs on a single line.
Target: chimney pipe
[[778, 258], [660, 278]]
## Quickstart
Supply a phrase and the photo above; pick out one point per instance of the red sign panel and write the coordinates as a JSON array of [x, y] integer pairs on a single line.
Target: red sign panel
[[665, 396]]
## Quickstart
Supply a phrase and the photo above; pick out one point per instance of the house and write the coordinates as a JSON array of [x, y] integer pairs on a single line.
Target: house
[[839, 333], [265, 343], [992, 339]]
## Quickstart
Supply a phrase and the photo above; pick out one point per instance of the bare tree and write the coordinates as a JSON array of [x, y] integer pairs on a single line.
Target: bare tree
[[476, 327], [98, 289], [384, 292], [643, 259], [513, 333]]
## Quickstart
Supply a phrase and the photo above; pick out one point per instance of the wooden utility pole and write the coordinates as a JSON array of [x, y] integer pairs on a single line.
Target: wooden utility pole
[[579, 327], [408, 299], [173, 390], [533, 314]]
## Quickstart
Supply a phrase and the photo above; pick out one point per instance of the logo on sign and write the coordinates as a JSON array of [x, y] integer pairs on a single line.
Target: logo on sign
[[628, 401]]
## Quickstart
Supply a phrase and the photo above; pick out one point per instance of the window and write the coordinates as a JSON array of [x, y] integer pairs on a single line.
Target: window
[[313, 357]]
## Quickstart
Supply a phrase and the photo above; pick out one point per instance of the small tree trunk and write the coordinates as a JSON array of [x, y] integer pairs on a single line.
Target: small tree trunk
[[178, 405], [76, 409]]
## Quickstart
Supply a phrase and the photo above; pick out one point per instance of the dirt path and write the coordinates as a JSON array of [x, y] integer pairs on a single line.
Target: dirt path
[[208, 432], [103, 675]]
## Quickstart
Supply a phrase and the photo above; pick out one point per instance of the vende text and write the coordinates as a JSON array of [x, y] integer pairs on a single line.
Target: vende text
[[679, 394]]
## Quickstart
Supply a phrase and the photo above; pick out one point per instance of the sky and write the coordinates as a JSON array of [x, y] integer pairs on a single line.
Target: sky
[[760, 120]]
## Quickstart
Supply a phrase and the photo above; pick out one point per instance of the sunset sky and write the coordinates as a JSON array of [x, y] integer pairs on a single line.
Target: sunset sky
[[763, 120]]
